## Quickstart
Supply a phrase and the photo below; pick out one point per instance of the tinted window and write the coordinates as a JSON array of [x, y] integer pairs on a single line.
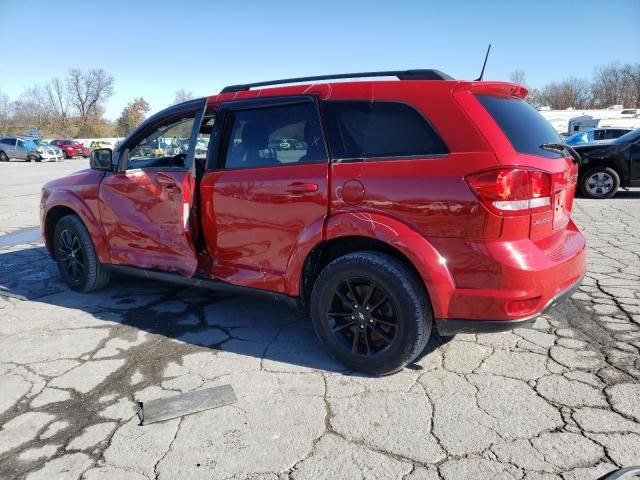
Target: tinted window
[[615, 133], [632, 136], [69, 142], [8, 141], [525, 128], [362, 129], [275, 136]]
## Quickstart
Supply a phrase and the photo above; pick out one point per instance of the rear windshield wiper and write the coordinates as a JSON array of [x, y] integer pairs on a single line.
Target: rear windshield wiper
[[561, 148]]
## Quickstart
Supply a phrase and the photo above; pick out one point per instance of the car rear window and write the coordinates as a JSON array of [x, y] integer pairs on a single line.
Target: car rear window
[[525, 128], [364, 129]]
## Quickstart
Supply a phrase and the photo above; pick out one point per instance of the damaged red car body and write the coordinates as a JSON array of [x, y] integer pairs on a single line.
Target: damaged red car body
[[381, 208]]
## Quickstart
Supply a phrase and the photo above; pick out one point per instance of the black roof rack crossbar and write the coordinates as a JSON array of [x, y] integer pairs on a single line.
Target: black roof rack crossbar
[[419, 74]]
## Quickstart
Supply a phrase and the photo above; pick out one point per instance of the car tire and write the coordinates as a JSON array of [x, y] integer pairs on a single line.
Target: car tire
[[3, 157], [81, 270], [599, 182], [34, 158], [66, 156], [372, 335]]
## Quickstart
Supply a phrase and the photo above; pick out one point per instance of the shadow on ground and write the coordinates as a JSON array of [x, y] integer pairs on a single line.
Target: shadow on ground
[[244, 325]]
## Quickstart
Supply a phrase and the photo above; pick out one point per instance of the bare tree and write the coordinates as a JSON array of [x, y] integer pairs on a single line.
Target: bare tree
[[87, 91], [5, 113], [607, 85], [59, 103], [570, 93], [182, 96], [32, 109], [534, 98], [576, 92], [631, 89], [518, 76]]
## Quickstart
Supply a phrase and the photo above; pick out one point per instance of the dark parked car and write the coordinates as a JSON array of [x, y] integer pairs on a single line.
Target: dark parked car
[[605, 168]]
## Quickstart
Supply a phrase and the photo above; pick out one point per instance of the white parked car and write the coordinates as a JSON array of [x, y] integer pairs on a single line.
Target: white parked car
[[49, 153]]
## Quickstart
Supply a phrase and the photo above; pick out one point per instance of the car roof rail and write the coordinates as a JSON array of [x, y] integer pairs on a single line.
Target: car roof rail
[[419, 74]]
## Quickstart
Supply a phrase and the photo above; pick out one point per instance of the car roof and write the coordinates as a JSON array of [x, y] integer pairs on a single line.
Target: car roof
[[344, 89]]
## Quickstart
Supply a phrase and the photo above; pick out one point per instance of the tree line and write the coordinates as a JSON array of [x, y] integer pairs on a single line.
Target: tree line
[[72, 107], [612, 84]]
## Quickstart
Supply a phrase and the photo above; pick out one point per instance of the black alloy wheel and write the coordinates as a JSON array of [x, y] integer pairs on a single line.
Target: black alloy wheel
[[371, 312], [363, 317], [70, 255]]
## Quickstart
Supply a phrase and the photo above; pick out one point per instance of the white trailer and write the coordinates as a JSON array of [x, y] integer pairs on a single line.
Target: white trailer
[[583, 118]]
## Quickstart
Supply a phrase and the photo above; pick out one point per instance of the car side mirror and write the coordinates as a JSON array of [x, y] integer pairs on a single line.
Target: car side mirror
[[101, 159]]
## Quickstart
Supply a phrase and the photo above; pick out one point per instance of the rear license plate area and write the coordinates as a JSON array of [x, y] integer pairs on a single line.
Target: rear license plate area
[[560, 214]]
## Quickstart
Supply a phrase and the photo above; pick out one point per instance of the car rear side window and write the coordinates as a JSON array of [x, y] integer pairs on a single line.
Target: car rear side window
[[275, 136], [525, 128], [367, 130]]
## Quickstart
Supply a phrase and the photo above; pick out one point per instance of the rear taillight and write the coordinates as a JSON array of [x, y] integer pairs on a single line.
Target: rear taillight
[[513, 191]]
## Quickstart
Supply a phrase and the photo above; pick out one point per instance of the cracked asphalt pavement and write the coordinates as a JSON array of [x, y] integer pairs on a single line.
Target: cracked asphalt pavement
[[558, 401]]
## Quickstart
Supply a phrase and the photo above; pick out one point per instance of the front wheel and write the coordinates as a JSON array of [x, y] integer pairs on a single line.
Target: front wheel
[[76, 256], [371, 312], [599, 182]]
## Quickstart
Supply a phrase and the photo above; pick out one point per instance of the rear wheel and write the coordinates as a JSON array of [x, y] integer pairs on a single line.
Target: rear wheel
[[3, 157], [76, 256], [371, 312], [600, 182]]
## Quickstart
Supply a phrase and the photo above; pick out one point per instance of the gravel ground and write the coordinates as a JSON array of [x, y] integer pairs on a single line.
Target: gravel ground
[[558, 401]]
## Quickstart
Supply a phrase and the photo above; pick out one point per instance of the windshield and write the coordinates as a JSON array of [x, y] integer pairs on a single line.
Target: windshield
[[628, 137], [525, 128]]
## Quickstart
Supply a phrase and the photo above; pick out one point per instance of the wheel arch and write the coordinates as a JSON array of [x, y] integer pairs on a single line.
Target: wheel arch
[[347, 233], [64, 203]]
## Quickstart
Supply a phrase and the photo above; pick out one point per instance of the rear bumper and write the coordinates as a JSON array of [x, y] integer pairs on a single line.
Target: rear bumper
[[451, 326]]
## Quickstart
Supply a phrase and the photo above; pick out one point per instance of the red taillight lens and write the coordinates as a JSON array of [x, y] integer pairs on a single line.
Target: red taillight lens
[[522, 307], [511, 191]]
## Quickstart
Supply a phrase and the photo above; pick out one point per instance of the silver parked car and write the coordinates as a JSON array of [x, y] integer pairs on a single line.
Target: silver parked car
[[26, 149]]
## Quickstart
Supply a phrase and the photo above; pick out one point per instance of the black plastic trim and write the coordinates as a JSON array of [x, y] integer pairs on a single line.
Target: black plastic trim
[[452, 326], [418, 74], [200, 282]]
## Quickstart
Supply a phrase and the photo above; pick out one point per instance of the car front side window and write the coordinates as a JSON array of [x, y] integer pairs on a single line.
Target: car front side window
[[166, 146]]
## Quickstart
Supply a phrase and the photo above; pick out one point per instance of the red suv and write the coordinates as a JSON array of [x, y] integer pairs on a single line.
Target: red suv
[[71, 148], [399, 206]]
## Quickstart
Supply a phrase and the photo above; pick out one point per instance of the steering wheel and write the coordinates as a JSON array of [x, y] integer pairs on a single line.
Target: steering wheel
[[178, 160]]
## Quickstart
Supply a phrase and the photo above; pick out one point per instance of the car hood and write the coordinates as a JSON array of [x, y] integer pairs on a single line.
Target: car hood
[[77, 179], [595, 148]]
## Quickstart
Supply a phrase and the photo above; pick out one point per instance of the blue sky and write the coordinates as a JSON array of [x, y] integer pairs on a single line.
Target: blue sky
[[155, 48]]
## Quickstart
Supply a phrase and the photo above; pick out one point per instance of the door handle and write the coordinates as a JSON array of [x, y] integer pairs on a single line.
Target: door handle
[[171, 188], [299, 187]]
